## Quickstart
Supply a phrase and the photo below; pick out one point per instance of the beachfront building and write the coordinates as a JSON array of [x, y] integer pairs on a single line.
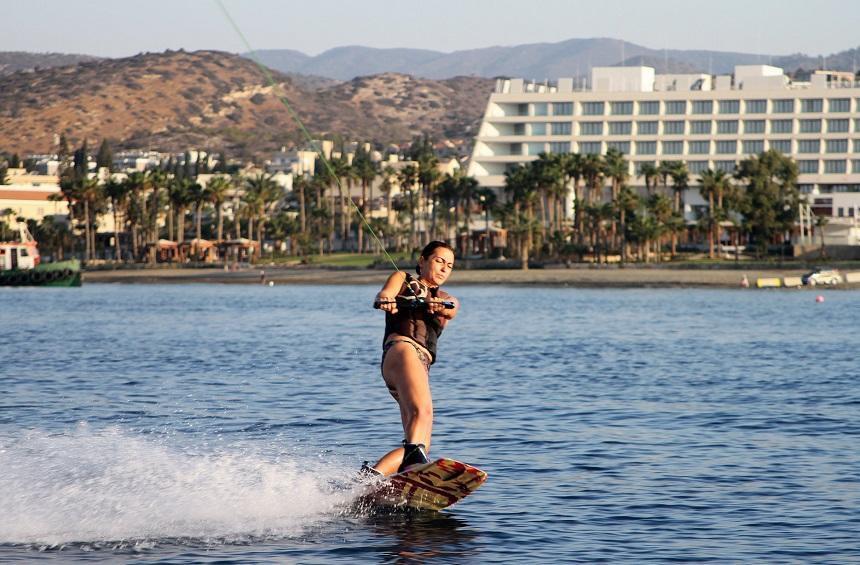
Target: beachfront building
[[708, 122], [31, 196]]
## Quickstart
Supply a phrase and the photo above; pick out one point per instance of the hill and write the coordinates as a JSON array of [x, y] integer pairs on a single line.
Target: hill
[[573, 57], [218, 101], [15, 61]]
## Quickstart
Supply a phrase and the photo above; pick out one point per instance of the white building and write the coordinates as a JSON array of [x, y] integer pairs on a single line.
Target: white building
[[706, 121], [30, 196]]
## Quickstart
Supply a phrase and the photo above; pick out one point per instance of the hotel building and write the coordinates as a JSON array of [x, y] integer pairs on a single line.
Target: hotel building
[[705, 121]]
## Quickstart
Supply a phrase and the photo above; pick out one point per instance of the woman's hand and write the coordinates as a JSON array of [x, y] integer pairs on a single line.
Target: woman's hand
[[385, 303], [437, 307]]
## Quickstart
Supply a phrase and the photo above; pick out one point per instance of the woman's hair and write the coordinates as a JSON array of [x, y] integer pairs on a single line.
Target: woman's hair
[[430, 248]]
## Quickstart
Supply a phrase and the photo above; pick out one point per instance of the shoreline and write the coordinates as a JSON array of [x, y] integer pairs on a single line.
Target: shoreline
[[630, 277]]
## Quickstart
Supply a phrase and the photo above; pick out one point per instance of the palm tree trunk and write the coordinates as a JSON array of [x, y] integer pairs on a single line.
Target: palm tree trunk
[[220, 206], [117, 253], [87, 249]]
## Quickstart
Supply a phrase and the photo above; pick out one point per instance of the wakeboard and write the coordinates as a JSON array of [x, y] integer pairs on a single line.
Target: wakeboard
[[431, 486]]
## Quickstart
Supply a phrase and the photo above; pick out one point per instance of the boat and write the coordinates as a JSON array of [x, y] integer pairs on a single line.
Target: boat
[[21, 265]]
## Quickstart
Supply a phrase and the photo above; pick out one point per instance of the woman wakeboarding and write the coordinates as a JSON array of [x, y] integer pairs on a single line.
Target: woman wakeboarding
[[416, 312]]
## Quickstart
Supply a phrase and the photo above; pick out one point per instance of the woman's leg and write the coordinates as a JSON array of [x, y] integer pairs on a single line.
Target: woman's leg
[[407, 377]]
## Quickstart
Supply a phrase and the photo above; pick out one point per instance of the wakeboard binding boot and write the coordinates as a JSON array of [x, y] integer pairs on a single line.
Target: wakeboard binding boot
[[413, 454]]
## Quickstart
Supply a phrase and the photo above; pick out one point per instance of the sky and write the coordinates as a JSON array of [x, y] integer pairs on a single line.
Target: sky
[[119, 28]]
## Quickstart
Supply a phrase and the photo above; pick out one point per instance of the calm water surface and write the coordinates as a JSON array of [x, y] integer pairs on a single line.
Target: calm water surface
[[220, 423]]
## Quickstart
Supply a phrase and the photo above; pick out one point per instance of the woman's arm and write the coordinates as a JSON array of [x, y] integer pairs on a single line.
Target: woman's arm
[[385, 297]]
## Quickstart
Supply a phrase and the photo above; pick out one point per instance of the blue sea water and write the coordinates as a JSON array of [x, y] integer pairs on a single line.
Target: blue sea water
[[209, 423]]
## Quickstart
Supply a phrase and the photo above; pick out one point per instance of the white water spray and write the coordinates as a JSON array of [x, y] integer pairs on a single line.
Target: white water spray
[[87, 486]]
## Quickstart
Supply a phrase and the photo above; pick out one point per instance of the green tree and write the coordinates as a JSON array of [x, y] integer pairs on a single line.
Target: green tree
[[104, 158], [770, 206], [117, 193], [217, 191], [366, 172]]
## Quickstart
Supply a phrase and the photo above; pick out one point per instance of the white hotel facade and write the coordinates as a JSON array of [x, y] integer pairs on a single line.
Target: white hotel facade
[[703, 120]]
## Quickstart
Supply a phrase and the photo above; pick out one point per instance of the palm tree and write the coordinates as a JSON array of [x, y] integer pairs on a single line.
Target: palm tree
[[448, 192], [180, 197], [617, 170], [820, 223], [217, 190], [627, 204], [572, 166], [660, 207], [366, 171], [680, 183], [521, 188], [199, 196], [261, 192], [713, 185], [408, 177], [651, 175], [117, 192]]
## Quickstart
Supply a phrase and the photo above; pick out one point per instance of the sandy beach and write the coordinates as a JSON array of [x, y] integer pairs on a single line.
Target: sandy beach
[[612, 277]]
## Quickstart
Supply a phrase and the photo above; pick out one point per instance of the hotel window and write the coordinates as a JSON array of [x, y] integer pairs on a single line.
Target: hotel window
[[834, 166], [646, 128], [646, 147], [535, 148], [649, 108], [673, 128], [727, 146], [753, 147], [541, 109], [561, 128], [591, 128], [839, 104], [700, 147], [539, 129], [590, 148], [703, 106], [838, 126], [562, 108], [673, 147], [519, 129], [700, 126], [781, 145], [621, 146], [857, 146], [729, 106], [620, 128], [808, 146], [781, 126], [785, 106], [727, 126], [857, 125], [811, 105], [753, 126], [676, 107], [697, 167], [516, 149], [810, 126], [755, 106], [836, 145], [855, 166], [592, 108], [808, 167], [621, 108], [725, 166], [522, 109], [559, 147]]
